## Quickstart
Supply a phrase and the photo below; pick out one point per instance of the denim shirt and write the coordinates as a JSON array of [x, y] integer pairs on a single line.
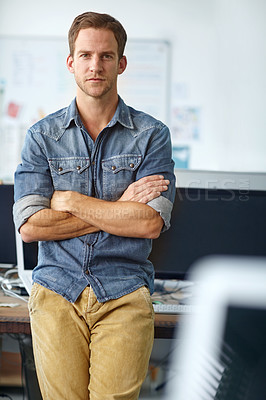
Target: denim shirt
[[59, 154]]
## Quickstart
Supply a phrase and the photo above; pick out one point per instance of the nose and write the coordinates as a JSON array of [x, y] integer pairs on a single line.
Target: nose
[[96, 64]]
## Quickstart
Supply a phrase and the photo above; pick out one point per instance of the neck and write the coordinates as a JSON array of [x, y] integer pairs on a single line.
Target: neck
[[96, 113]]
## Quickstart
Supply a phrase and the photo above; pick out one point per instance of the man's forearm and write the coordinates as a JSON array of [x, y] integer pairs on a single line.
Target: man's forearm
[[122, 218], [49, 224], [130, 216]]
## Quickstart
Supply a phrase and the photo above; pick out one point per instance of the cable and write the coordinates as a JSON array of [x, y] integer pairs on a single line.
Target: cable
[[7, 283], [23, 364], [10, 271], [7, 291], [5, 395], [165, 365]]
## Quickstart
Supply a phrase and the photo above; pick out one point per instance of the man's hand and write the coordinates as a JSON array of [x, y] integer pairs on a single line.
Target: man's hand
[[61, 200], [141, 191], [145, 189]]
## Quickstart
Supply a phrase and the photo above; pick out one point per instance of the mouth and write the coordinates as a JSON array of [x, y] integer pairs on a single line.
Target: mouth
[[95, 79]]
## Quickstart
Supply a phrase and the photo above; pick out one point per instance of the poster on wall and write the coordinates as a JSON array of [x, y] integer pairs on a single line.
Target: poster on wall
[[181, 156], [34, 82], [185, 123]]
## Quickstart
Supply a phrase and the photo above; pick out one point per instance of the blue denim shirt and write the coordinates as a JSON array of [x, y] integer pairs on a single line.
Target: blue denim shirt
[[59, 154]]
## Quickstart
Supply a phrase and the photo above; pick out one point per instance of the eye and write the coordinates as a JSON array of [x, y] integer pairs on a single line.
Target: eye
[[107, 57], [84, 55]]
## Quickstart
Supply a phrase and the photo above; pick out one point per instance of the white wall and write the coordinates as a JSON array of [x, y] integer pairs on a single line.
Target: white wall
[[218, 64]]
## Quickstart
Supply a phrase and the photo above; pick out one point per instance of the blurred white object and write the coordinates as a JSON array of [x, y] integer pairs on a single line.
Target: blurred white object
[[221, 352]]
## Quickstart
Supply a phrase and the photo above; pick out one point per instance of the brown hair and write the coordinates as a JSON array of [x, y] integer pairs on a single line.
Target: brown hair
[[97, 21]]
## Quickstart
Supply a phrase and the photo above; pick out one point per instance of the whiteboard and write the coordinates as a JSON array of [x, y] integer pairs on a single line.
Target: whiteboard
[[34, 81], [145, 85]]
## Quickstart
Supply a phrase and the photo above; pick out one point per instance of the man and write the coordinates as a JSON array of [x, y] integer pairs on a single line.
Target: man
[[95, 186]]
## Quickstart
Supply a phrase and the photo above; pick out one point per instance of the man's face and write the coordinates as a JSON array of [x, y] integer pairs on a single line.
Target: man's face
[[95, 63]]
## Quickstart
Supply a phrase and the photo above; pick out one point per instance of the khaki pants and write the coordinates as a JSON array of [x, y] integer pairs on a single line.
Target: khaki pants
[[91, 350]]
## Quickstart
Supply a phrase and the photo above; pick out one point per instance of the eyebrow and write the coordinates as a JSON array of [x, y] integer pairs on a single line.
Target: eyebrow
[[89, 51]]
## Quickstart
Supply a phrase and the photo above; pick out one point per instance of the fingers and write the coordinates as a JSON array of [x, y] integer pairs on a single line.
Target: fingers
[[150, 184], [146, 189], [153, 186], [151, 180], [146, 196]]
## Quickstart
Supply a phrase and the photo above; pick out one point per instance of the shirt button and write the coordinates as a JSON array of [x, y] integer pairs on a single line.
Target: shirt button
[[60, 169], [131, 165], [113, 167], [87, 272], [93, 162], [78, 167]]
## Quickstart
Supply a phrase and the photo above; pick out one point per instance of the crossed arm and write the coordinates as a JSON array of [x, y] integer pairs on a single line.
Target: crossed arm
[[73, 214]]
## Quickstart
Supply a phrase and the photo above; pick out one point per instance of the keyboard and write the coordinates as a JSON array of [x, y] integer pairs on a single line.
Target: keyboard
[[175, 308]]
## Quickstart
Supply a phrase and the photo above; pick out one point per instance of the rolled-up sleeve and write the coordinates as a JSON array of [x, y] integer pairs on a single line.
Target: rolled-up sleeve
[[33, 174], [158, 161], [164, 207], [32, 185], [27, 206]]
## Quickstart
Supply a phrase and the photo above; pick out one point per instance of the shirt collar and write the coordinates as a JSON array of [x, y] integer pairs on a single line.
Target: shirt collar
[[71, 114], [122, 115]]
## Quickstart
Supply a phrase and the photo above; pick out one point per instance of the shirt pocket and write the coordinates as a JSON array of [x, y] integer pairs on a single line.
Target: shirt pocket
[[118, 173], [71, 173]]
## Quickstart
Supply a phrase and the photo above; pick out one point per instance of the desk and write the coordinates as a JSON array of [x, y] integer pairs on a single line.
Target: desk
[[16, 319]]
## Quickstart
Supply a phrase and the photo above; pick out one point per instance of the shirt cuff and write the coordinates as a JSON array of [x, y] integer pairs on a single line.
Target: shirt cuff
[[26, 206], [164, 207]]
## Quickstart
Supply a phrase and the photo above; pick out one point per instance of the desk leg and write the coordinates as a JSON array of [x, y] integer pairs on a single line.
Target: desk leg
[[28, 366]]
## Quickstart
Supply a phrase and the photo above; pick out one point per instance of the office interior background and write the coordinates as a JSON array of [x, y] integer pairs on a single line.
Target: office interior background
[[214, 73], [213, 76]]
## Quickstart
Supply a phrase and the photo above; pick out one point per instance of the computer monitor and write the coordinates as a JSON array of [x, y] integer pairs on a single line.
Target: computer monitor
[[8, 248], [7, 229], [214, 213], [220, 353]]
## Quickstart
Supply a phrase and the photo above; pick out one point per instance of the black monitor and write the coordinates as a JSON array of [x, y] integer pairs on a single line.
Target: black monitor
[[8, 253], [214, 214], [7, 229]]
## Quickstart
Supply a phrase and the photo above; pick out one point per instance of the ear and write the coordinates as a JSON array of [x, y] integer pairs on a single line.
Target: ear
[[69, 64], [122, 65]]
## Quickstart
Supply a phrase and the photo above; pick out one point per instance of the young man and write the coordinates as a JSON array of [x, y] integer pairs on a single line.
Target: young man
[[95, 186]]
